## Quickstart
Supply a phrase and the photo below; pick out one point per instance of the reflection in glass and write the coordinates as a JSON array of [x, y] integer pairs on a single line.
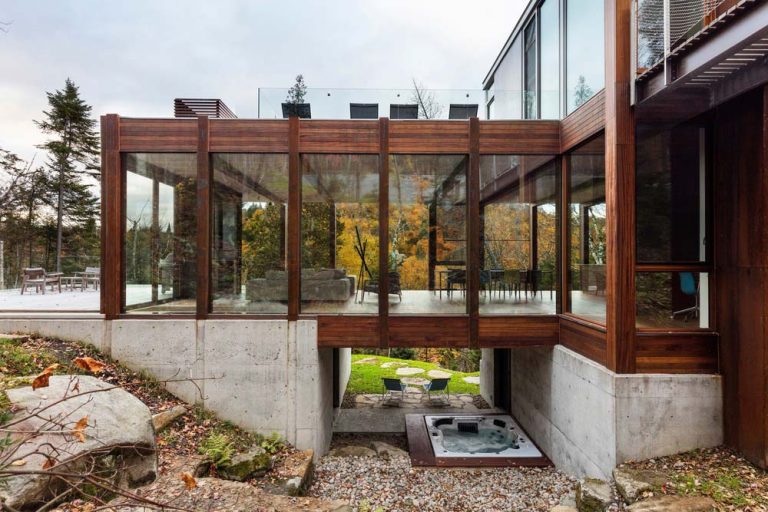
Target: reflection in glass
[[248, 270], [339, 231], [585, 53], [586, 217], [549, 45], [518, 212], [427, 230], [160, 232], [672, 299], [531, 65]]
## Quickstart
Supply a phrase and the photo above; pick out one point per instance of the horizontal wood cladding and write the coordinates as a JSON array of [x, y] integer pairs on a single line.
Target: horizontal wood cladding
[[347, 331], [518, 331], [520, 137], [350, 136], [693, 352], [158, 135], [249, 135], [582, 124], [428, 331], [583, 338], [428, 136]]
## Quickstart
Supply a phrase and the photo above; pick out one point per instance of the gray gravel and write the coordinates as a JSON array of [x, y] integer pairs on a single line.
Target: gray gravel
[[369, 483]]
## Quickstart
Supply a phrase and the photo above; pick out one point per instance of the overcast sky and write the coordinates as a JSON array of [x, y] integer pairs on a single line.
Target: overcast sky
[[134, 57]]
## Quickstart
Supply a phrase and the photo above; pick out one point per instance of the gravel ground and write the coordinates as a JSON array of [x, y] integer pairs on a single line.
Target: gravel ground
[[369, 483]]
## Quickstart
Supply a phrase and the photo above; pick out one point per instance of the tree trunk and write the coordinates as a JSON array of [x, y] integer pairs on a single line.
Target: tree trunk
[[59, 217]]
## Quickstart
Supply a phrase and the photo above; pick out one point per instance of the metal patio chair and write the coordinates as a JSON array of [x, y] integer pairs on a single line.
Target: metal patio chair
[[392, 386], [438, 386]]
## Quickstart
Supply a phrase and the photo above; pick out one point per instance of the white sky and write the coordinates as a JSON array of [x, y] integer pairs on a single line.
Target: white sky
[[134, 57]]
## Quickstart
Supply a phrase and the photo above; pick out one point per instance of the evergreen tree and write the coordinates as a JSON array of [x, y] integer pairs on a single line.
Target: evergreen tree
[[581, 91], [73, 153]]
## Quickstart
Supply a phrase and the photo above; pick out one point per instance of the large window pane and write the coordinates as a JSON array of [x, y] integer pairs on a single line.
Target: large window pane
[[672, 299], [585, 53], [671, 185], [427, 230], [531, 65], [250, 196], [339, 230], [518, 198], [508, 84], [160, 243], [586, 218], [549, 44]]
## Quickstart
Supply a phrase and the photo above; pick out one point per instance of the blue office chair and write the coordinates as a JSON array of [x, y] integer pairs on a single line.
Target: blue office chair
[[689, 287]]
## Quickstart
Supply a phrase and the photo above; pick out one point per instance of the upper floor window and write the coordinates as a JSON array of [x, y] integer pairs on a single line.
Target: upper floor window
[[529, 94], [585, 52], [549, 51]]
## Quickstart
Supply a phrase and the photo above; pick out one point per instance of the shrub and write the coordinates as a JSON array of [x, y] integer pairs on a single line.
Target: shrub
[[402, 353]]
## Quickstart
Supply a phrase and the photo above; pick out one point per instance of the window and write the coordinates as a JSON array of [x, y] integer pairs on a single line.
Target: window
[[531, 65], [549, 94], [586, 225], [585, 53], [160, 245], [518, 212], [508, 84], [340, 233], [427, 233], [672, 300], [250, 196]]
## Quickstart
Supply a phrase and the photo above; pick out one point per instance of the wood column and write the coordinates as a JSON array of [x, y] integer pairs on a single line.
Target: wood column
[[204, 206], [383, 295], [112, 218], [564, 237], [473, 232], [294, 219], [619, 189]]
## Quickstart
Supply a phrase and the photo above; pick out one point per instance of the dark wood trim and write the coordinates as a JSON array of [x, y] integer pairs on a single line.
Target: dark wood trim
[[158, 135], [204, 207], [339, 136], [564, 233], [473, 235], [520, 137], [674, 267], [294, 220], [518, 331], [347, 331], [583, 123], [112, 212], [677, 352], [433, 331], [583, 337], [383, 232]]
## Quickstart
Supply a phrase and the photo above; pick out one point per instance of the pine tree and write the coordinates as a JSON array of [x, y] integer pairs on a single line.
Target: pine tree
[[581, 92], [73, 153]]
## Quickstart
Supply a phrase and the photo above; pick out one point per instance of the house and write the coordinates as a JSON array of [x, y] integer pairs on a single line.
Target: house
[[598, 234]]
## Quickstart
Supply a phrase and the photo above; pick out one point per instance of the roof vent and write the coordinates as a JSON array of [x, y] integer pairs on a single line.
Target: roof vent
[[193, 107]]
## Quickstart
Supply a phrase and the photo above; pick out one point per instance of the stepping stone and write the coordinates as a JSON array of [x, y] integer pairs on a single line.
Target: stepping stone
[[474, 379], [414, 381], [393, 364], [408, 371], [438, 374], [674, 504], [367, 360], [633, 483], [412, 390]]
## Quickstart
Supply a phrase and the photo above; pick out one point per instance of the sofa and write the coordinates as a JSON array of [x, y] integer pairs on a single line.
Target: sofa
[[326, 284]]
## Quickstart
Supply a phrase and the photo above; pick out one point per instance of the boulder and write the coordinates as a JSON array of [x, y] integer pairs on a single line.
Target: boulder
[[352, 451], [633, 483], [118, 435], [294, 474], [162, 419], [386, 450], [593, 495], [253, 463], [674, 504]]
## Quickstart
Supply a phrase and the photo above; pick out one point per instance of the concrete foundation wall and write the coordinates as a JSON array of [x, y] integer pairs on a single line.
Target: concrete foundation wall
[[264, 375], [486, 375], [588, 419]]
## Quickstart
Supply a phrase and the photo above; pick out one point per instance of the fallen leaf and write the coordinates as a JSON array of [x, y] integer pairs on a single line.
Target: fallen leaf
[[189, 481], [49, 370], [89, 364], [79, 427], [49, 463], [18, 462], [41, 381]]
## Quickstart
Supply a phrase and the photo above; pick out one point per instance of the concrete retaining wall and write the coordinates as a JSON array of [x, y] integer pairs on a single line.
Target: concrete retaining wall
[[264, 375], [588, 419]]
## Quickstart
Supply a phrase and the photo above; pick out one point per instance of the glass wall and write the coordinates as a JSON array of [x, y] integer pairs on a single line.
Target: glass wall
[[339, 233], [427, 230], [586, 225], [531, 67], [518, 218], [160, 245], [249, 267], [549, 49], [508, 84], [672, 300], [585, 53]]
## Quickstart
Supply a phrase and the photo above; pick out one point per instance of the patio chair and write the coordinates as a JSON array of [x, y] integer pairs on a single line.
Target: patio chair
[[438, 386], [39, 278], [392, 386], [689, 287], [92, 275], [372, 286], [456, 277]]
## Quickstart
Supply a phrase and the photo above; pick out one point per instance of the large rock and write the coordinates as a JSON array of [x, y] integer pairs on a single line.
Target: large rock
[[255, 462], [118, 435], [352, 451], [633, 483], [674, 504], [593, 495], [294, 474], [162, 419]]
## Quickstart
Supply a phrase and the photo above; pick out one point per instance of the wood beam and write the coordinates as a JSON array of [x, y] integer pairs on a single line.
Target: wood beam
[[619, 189], [112, 216], [564, 236], [473, 232], [204, 206], [294, 219], [383, 295]]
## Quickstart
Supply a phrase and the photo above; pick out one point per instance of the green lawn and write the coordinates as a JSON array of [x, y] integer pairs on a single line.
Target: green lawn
[[366, 378]]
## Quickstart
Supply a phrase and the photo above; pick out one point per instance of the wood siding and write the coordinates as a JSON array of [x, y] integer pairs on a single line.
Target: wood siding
[[585, 122], [518, 331], [429, 331], [677, 352], [248, 135], [158, 135], [428, 137], [520, 137], [344, 136], [347, 331], [584, 338]]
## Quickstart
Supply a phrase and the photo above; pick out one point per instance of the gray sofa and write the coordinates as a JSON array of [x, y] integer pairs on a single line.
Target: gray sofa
[[316, 285]]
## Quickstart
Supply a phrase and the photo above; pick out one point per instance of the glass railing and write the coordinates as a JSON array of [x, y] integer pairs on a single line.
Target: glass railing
[[409, 104]]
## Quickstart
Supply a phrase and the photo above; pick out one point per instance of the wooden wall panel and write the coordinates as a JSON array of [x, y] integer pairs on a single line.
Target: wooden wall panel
[[518, 331], [111, 217], [342, 136], [520, 137], [249, 135], [429, 331], [158, 135], [585, 122], [677, 352], [428, 137], [583, 338], [347, 331]]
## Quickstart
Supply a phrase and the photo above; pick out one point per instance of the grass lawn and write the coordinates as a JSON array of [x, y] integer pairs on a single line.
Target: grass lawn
[[366, 377]]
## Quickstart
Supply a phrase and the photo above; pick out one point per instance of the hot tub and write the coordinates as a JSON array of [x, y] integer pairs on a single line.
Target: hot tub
[[486, 436]]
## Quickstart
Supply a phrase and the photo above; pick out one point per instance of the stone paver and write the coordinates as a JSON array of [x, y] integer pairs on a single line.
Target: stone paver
[[367, 360], [414, 381], [408, 371], [474, 379], [438, 374], [393, 364]]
